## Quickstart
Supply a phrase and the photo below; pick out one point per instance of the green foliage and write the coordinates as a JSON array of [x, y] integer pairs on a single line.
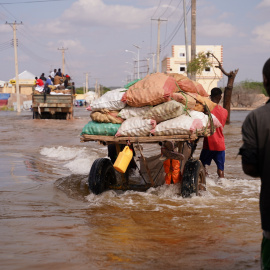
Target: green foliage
[[250, 87], [199, 64], [79, 90], [105, 89]]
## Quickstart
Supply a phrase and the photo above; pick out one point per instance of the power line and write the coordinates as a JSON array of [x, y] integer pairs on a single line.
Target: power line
[[175, 31], [33, 55], [8, 11], [5, 43], [175, 9], [6, 47], [165, 9], [156, 9], [29, 2]]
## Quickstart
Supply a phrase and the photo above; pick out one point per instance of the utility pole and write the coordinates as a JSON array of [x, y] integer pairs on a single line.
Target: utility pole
[[153, 58], [63, 58], [186, 39], [86, 83], [158, 41], [147, 59], [97, 88], [193, 35], [16, 64]]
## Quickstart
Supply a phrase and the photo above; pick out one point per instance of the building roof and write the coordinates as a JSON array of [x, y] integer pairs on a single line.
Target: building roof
[[2, 83], [26, 75]]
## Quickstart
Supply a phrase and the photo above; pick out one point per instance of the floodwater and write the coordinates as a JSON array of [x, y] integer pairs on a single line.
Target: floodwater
[[49, 220]]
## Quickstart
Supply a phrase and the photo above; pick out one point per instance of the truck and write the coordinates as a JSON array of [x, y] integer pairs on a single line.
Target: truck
[[52, 106]]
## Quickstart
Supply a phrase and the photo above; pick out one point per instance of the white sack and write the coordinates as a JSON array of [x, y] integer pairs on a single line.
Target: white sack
[[182, 124], [136, 127], [111, 100], [129, 111], [204, 118]]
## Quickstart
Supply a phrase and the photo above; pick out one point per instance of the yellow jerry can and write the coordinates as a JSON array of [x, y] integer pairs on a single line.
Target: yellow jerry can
[[123, 160]]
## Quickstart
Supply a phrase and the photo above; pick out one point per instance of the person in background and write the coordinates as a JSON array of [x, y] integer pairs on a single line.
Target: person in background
[[52, 74], [59, 73], [57, 80], [73, 89], [255, 153], [214, 145], [39, 85], [49, 80], [43, 78], [66, 81]]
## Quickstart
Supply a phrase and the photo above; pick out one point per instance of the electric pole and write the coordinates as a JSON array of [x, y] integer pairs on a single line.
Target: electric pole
[[86, 83], [193, 35], [63, 58], [158, 41], [153, 58], [16, 63], [186, 39], [97, 88]]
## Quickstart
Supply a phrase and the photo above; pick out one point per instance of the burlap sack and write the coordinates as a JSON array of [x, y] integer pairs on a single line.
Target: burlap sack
[[200, 90], [188, 85], [186, 100], [52, 87], [165, 111], [184, 83], [136, 127], [201, 101], [151, 90], [106, 116]]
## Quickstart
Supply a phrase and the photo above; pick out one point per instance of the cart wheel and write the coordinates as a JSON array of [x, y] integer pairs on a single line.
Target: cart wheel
[[102, 174], [193, 178]]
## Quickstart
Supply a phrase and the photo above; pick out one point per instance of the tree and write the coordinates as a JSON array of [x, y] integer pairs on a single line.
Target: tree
[[228, 89], [202, 61]]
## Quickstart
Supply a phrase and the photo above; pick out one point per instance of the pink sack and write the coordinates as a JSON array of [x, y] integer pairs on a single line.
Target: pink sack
[[200, 89]]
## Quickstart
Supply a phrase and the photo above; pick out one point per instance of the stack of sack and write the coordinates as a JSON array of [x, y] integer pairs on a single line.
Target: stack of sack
[[159, 104]]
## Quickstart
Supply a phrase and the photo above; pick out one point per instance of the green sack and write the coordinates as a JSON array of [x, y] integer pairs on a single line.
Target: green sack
[[131, 83], [95, 128]]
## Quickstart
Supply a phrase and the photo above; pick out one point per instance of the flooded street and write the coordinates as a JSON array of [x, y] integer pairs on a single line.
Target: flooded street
[[49, 220]]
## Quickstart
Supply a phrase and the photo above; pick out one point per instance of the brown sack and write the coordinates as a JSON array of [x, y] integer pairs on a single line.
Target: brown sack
[[154, 89], [106, 116], [204, 100]]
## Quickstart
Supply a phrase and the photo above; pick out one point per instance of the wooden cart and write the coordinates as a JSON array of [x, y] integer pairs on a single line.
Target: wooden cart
[[102, 174]]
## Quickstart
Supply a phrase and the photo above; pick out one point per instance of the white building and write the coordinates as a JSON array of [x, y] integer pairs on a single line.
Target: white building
[[177, 64]]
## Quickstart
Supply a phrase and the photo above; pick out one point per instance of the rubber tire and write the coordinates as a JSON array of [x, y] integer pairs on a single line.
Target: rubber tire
[[193, 178], [102, 174]]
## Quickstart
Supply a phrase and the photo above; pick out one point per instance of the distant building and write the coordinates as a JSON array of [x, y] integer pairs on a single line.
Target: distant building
[[177, 64], [26, 83]]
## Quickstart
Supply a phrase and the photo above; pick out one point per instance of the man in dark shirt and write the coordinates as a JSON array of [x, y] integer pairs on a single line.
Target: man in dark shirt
[[255, 153]]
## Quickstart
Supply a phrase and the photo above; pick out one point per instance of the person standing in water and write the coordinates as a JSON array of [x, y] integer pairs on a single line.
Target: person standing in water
[[214, 145], [255, 153]]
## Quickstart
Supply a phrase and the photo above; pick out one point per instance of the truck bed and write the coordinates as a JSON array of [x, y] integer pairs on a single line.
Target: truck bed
[[54, 106]]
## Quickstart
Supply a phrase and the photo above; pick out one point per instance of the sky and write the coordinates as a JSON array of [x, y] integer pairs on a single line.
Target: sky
[[96, 34]]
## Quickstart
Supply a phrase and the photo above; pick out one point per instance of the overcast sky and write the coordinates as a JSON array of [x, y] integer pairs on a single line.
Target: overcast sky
[[96, 34]]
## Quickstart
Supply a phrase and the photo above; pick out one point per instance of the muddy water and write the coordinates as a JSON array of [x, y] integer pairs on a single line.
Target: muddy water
[[49, 220]]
